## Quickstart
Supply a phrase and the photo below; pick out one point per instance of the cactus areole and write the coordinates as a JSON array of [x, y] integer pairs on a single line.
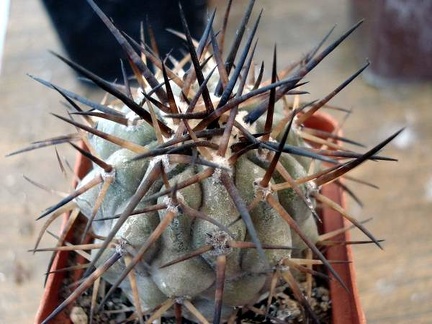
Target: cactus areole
[[205, 182]]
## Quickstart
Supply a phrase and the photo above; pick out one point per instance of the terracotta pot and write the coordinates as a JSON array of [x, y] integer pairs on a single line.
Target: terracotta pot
[[346, 306], [51, 296]]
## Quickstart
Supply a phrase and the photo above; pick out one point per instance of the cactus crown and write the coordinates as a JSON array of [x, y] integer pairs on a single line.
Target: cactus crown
[[205, 180]]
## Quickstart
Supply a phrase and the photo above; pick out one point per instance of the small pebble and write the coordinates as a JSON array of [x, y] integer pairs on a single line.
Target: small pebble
[[78, 316]]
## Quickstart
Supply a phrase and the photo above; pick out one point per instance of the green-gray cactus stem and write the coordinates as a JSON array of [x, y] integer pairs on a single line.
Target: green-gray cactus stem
[[195, 196]]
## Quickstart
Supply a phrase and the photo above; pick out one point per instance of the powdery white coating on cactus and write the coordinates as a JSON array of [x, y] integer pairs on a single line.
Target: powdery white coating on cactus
[[199, 197], [195, 278]]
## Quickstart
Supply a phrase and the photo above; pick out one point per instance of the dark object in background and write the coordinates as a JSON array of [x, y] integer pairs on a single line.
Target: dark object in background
[[397, 38], [88, 41]]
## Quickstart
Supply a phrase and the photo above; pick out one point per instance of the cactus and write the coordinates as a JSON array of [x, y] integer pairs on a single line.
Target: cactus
[[205, 181]]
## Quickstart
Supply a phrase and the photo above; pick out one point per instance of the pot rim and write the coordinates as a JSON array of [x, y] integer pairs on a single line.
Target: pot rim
[[346, 306]]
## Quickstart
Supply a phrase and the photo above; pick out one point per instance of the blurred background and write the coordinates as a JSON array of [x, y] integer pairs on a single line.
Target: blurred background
[[395, 284]]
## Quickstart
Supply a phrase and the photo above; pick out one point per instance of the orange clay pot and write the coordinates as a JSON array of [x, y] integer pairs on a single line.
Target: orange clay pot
[[346, 306]]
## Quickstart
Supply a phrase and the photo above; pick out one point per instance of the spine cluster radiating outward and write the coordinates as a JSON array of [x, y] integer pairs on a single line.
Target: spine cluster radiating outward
[[205, 179]]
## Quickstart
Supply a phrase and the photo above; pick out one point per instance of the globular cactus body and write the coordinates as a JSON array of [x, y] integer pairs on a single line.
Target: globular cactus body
[[245, 273], [204, 184]]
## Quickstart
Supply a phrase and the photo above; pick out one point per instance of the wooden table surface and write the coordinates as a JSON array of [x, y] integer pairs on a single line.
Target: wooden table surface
[[395, 284]]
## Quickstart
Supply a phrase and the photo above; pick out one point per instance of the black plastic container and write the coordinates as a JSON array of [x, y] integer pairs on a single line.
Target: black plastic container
[[88, 42]]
